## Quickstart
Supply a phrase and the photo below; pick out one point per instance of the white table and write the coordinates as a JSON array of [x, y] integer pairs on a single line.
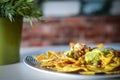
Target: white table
[[19, 71]]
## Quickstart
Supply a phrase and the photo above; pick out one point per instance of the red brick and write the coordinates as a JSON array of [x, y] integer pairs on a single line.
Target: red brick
[[39, 43], [52, 20], [64, 30], [24, 43], [36, 30], [51, 37], [80, 27], [91, 35], [97, 41], [73, 20], [25, 36], [88, 28], [112, 20], [35, 44]]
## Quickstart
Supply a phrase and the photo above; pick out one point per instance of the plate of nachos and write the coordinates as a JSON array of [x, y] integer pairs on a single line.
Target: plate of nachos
[[79, 60]]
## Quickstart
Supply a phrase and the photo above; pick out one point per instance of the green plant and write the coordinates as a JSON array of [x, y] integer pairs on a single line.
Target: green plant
[[18, 8]]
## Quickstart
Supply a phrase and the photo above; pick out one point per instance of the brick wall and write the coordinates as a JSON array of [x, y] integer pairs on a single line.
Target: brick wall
[[61, 31]]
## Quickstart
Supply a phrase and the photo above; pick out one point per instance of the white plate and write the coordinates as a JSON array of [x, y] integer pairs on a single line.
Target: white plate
[[32, 63]]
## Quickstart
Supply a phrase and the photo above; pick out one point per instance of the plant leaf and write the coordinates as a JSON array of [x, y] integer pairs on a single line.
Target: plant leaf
[[23, 8], [2, 1], [30, 0]]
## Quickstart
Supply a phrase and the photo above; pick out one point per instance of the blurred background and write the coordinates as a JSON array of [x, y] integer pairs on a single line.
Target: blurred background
[[83, 21]]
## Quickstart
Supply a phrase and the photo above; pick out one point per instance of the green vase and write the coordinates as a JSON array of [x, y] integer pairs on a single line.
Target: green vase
[[10, 38]]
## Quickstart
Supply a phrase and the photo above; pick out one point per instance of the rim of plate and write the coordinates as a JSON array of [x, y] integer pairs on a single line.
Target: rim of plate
[[67, 74]]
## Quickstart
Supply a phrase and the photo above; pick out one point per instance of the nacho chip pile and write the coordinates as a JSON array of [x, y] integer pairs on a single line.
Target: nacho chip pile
[[82, 59]]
